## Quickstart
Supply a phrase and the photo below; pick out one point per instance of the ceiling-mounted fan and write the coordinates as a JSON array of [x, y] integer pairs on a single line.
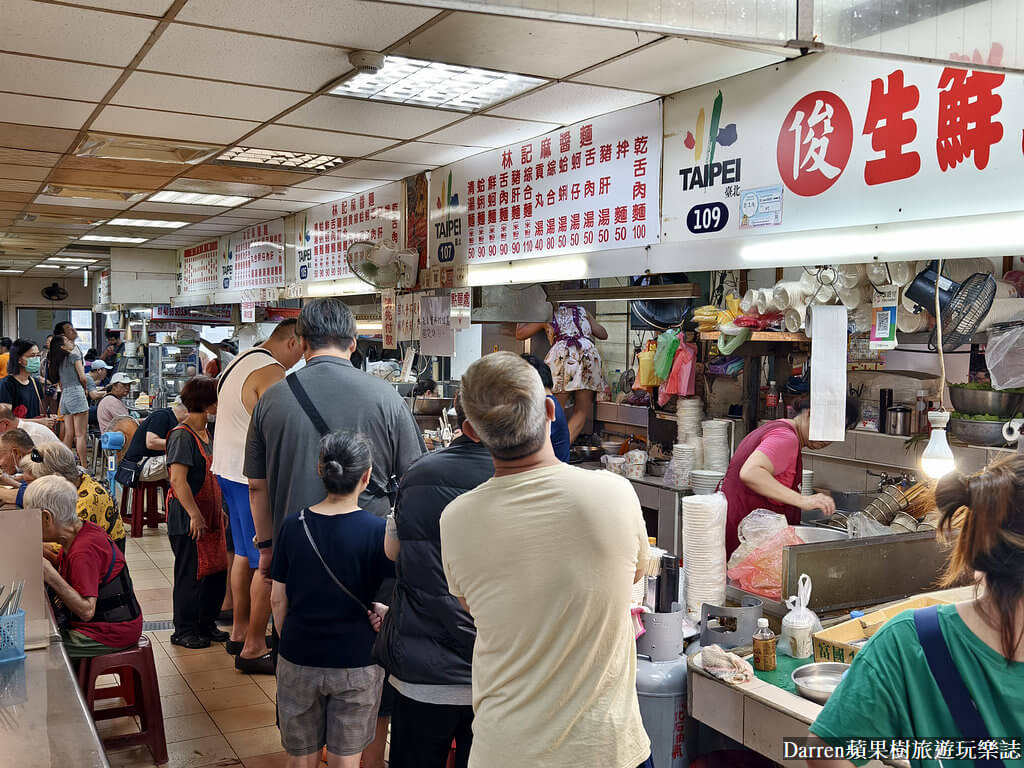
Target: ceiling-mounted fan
[[54, 292]]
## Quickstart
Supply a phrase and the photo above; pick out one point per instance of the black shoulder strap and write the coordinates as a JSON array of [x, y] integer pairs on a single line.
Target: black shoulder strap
[[231, 366], [307, 405], [951, 684]]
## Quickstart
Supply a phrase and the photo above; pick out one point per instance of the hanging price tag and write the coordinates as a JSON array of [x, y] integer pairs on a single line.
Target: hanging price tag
[[883, 317]]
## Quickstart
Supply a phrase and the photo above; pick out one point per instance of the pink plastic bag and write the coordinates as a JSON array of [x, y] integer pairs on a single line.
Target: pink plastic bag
[[761, 572], [682, 379]]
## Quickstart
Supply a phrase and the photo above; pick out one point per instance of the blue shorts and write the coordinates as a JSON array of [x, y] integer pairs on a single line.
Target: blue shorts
[[236, 499]]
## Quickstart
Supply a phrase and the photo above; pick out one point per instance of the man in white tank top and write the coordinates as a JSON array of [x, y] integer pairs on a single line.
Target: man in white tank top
[[240, 386]]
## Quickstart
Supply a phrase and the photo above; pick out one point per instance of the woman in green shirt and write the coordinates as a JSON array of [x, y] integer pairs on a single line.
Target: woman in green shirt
[[890, 691]]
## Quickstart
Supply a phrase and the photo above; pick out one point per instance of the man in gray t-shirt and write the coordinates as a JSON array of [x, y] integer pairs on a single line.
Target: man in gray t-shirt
[[282, 447]]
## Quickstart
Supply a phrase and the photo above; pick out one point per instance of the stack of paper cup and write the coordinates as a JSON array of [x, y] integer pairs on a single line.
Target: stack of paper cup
[[793, 318], [788, 294], [748, 304], [807, 483], [704, 562]]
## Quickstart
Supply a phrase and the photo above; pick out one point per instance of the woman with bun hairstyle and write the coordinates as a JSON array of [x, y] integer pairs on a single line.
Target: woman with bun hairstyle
[[953, 671], [329, 561]]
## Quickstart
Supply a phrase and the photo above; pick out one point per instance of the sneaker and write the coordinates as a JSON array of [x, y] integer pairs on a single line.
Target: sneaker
[[216, 635], [264, 665], [190, 641]]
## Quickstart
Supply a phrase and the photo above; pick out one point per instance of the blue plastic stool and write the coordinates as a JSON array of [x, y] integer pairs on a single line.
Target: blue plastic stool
[[112, 442]]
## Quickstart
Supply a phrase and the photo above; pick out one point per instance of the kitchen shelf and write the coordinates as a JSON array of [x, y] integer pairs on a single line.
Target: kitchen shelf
[[759, 336]]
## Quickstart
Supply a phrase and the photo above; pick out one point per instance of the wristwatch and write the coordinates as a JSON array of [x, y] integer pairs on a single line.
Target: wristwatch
[[266, 544]]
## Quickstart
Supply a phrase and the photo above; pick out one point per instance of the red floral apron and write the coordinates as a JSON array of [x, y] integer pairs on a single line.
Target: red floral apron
[[212, 545], [742, 500]]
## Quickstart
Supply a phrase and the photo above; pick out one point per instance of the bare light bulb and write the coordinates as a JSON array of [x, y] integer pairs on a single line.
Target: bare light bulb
[[937, 459]]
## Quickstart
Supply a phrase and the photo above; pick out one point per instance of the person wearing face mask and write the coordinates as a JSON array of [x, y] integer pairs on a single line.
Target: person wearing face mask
[[22, 389], [766, 471]]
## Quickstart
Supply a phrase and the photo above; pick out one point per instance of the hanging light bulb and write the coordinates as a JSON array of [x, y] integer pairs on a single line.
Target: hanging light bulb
[[937, 459]]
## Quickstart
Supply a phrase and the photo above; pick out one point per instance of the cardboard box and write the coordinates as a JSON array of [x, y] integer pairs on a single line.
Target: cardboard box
[[834, 643]]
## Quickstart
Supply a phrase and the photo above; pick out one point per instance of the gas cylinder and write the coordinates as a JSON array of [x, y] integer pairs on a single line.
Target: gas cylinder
[[661, 688]]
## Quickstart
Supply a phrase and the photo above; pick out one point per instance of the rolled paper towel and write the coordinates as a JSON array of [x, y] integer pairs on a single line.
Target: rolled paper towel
[[787, 294], [1003, 311], [828, 354], [748, 304], [794, 317]]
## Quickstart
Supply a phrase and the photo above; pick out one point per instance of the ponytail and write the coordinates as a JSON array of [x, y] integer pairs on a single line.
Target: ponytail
[[984, 513]]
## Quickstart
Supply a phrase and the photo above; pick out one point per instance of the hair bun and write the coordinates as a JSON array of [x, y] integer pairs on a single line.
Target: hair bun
[[334, 467]]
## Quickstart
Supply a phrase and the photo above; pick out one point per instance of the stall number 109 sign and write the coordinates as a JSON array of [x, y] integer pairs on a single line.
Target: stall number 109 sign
[[707, 217]]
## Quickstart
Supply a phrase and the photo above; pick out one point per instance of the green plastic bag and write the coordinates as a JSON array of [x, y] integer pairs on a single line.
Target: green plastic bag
[[729, 344], [668, 343]]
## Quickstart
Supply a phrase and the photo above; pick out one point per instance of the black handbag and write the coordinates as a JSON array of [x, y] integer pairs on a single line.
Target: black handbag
[[128, 472], [383, 652]]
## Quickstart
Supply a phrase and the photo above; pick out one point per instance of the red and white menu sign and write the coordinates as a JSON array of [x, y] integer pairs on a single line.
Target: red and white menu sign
[[388, 317], [461, 308], [839, 141], [589, 187], [326, 232], [200, 268], [255, 257]]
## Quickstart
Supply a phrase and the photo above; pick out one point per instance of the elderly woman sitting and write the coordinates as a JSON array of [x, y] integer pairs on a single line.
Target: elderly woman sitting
[[90, 587], [93, 504]]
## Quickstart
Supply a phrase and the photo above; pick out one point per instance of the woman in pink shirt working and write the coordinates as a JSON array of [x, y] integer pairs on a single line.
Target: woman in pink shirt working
[[766, 471]]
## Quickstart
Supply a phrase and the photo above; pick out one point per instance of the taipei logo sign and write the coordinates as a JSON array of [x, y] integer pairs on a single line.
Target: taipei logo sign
[[707, 171], [447, 228]]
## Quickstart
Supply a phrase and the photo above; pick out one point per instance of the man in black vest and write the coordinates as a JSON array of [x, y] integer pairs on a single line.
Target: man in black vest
[[429, 645]]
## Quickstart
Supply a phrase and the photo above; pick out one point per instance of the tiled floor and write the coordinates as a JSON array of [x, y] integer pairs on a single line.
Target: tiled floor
[[213, 714]]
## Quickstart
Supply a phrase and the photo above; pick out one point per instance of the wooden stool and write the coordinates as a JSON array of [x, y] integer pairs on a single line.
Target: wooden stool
[[143, 697], [143, 509]]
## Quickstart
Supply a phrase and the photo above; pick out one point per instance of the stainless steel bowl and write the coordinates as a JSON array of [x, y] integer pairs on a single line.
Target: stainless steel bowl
[[656, 467], [975, 401], [587, 452], [902, 522], [977, 432], [817, 681]]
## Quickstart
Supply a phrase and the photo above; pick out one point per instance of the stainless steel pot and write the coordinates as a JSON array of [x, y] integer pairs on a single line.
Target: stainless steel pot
[[898, 420]]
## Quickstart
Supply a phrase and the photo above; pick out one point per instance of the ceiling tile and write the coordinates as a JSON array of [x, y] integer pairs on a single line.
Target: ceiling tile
[[246, 175], [312, 196], [147, 7], [55, 113], [675, 64], [28, 157], [209, 210], [248, 212], [528, 46], [490, 132], [203, 97], [330, 184], [72, 33], [427, 153], [171, 125], [13, 185], [567, 103], [19, 136], [321, 142], [45, 77], [67, 177], [240, 58], [277, 204], [371, 117], [346, 23], [109, 165], [378, 169], [23, 172]]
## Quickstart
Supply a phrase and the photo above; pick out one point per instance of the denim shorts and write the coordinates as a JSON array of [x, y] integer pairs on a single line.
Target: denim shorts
[[320, 706]]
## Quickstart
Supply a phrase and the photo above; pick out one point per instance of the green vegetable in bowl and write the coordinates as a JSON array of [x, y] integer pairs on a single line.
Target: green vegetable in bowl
[[976, 417], [984, 386]]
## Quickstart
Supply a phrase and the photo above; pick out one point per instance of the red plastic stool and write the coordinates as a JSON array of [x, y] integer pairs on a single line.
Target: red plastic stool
[[144, 509], [144, 700]]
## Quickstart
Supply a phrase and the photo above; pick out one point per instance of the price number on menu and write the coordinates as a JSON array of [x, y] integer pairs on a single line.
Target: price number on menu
[[707, 217]]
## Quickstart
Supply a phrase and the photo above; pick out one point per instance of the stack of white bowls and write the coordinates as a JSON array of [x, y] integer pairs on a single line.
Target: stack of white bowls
[[807, 483], [704, 563], [677, 474], [705, 481], [716, 444], [689, 413]]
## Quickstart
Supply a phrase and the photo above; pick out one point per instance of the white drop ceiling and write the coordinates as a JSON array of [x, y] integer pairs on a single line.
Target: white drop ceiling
[[257, 73]]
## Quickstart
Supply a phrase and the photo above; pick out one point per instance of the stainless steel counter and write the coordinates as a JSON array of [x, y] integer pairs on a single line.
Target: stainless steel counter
[[43, 719], [664, 500]]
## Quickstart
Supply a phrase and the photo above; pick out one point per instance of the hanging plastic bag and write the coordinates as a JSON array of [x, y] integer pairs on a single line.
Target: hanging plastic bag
[[860, 526], [754, 530], [800, 624], [668, 343], [682, 378], [761, 572], [645, 375], [1004, 356]]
